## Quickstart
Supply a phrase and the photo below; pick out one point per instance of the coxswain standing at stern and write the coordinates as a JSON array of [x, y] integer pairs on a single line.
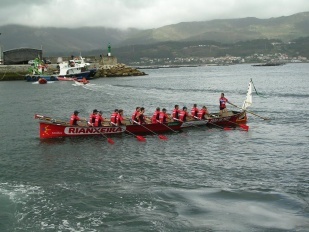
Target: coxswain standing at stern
[[99, 120], [223, 101], [92, 117]]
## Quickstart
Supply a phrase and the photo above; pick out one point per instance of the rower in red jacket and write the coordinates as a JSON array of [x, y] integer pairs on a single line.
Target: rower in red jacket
[[156, 116], [184, 114], [99, 119], [163, 116], [74, 118], [202, 113], [114, 117], [135, 115], [120, 118], [92, 117], [175, 113], [194, 111], [141, 119]]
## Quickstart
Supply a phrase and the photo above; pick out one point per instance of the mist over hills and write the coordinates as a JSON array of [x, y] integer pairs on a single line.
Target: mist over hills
[[64, 41], [230, 30], [61, 41]]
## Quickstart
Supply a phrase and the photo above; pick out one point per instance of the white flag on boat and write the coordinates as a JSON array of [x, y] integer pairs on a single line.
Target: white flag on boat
[[248, 101]]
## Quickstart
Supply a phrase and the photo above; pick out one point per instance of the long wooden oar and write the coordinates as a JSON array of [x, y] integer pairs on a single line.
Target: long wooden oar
[[160, 136], [249, 112], [109, 140], [139, 137], [245, 127], [223, 128], [167, 126], [187, 122]]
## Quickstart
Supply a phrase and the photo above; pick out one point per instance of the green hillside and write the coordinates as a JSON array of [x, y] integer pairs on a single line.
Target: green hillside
[[229, 30], [203, 49], [65, 41]]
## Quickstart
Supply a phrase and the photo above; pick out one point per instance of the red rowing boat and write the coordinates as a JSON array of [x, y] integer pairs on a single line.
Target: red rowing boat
[[52, 128], [231, 119], [153, 128]]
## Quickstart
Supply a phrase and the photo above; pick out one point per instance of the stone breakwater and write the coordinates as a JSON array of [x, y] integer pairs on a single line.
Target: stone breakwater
[[118, 70], [18, 72], [13, 72]]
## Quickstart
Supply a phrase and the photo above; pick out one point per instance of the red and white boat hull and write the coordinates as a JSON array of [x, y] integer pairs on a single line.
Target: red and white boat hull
[[50, 130]]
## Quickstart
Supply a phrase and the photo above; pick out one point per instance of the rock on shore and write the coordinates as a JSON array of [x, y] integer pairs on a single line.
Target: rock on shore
[[118, 70]]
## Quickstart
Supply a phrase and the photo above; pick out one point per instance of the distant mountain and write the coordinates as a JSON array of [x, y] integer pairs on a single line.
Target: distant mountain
[[64, 41], [61, 40], [284, 28]]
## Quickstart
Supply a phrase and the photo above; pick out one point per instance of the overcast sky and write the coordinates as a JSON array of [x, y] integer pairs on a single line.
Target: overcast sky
[[142, 14]]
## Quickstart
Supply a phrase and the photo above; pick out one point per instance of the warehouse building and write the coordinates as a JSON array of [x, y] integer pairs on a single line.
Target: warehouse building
[[21, 55]]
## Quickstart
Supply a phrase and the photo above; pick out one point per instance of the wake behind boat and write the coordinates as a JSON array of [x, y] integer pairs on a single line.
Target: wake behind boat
[[81, 82]]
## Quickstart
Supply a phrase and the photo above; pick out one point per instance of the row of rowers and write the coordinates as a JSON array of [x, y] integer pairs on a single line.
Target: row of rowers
[[138, 117]]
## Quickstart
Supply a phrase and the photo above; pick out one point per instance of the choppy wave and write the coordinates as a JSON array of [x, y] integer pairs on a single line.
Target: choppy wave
[[198, 180], [259, 210]]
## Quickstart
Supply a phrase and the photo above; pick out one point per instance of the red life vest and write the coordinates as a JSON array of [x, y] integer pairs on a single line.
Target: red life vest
[[114, 117], [73, 120], [222, 101], [183, 115], [134, 116], [92, 119], [175, 114], [163, 117], [141, 119], [98, 120], [194, 111], [119, 118], [155, 117], [201, 114]]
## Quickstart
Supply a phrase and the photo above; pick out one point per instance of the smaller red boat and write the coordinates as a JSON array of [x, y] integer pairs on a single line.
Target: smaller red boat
[[63, 78], [42, 81]]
